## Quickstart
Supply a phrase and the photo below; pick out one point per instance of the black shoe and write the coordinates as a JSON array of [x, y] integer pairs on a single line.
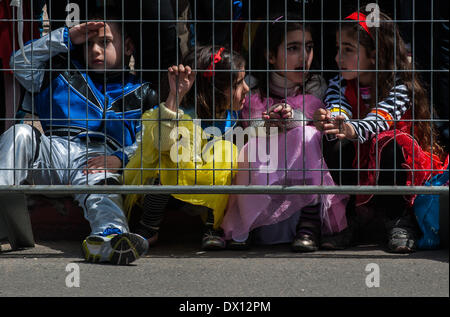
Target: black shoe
[[402, 235], [305, 242], [235, 245], [337, 241], [213, 240]]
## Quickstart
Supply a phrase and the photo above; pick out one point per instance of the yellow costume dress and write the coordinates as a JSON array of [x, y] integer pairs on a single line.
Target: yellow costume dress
[[175, 148]]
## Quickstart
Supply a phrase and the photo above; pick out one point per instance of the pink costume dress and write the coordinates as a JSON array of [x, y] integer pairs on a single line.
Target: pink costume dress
[[299, 162]]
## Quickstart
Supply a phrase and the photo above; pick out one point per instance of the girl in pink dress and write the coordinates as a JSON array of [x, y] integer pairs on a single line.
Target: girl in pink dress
[[294, 155]]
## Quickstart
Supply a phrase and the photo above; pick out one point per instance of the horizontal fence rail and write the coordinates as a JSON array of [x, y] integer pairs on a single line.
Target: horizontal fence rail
[[232, 189], [194, 22]]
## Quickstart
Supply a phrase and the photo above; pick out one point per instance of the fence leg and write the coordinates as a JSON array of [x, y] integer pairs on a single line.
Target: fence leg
[[443, 219], [15, 224]]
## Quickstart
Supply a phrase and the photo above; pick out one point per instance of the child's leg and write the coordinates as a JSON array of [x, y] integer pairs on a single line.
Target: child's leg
[[389, 177], [339, 156], [308, 229], [212, 238], [154, 207], [110, 239], [25, 155], [24, 149], [400, 223], [209, 223], [103, 211]]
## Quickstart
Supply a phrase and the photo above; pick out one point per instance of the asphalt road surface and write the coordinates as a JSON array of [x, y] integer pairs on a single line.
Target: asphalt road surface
[[56, 268]]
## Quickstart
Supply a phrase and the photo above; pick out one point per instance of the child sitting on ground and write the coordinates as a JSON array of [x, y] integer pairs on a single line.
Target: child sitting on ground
[[89, 110], [380, 120], [195, 158], [295, 156]]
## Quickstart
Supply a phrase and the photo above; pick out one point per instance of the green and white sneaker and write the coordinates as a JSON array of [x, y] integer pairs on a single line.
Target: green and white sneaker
[[116, 248]]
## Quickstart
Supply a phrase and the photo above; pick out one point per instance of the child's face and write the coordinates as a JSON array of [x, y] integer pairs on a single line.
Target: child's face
[[240, 91], [104, 50], [351, 57], [296, 54]]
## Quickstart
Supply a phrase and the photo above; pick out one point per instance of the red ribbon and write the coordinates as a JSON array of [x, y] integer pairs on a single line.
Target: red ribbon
[[214, 60], [361, 18]]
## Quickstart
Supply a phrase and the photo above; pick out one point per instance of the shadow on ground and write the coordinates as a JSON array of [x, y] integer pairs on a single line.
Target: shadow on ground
[[60, 235]]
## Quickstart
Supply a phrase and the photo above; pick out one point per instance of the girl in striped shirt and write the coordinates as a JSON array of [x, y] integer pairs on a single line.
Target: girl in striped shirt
[[378, 127]]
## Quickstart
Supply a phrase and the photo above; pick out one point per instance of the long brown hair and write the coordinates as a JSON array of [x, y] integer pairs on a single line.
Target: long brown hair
[[393, 55], [211, 104]]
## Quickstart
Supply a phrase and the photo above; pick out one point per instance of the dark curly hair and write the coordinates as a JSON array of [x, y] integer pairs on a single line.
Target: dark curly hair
[[210, 92]]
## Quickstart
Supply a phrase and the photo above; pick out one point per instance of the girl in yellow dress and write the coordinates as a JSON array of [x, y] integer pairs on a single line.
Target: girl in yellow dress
[[177, 150]]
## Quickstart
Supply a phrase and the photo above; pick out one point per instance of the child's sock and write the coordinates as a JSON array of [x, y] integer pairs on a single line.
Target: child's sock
[[154, 207], [210, 219], [212, 239]]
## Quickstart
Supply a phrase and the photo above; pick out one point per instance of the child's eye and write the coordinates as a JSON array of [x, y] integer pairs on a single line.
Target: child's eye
[[293, 48], [105, 42], [344, 50], [309, 48]]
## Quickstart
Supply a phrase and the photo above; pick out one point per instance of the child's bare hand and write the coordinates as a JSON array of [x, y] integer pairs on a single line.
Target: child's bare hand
[[322, 118], [102, 164], [285, 112], [342, 129], [81, 33], [276, 113], [181, 79]]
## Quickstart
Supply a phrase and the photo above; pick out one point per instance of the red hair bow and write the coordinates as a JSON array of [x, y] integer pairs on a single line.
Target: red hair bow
[[214, 60], [361, 18]]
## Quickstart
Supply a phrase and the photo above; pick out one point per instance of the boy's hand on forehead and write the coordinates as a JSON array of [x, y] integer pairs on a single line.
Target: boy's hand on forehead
[[81, 33]]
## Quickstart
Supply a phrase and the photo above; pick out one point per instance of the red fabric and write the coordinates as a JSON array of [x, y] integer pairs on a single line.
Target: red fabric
[[351, 96], [6, 30], [358, 16], [215, 58], [416, 162]]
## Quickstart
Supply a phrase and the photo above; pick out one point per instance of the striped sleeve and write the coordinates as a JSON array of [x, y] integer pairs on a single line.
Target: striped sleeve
[[335, 100], [382, 117]]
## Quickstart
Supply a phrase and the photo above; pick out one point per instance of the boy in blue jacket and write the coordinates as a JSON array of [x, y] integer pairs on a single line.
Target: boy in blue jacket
[[89, 112]]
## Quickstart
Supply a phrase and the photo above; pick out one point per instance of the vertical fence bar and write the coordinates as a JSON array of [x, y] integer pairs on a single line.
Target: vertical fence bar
[[431, 82], [141, 75], [195, 67], [358, 115], [231, 17], [394, 30], [413, 63]]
